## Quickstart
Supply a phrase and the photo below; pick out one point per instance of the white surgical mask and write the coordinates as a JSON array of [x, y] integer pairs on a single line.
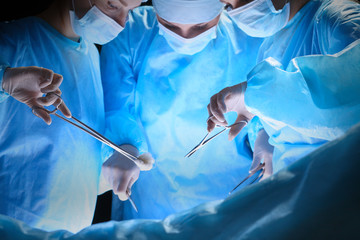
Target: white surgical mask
[[95, 26], [188, 11], [259, 18], [189, 46]]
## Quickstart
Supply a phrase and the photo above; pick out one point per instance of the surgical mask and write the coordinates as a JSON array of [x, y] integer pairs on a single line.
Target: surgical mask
[[95, 26], [188, 11], [189, 46], [259, 18]]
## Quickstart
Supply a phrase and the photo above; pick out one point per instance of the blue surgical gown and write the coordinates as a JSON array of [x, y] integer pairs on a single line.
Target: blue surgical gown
[[315, 198], [156, 99], [49, 174], [3, 65], [304, 101]]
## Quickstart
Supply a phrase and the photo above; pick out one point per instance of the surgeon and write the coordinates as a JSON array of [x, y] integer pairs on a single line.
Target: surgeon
[[49, 175], [158, 75], [305, 88]]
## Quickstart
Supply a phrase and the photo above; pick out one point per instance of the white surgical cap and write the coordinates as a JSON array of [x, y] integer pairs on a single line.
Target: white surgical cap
[[188, 11]]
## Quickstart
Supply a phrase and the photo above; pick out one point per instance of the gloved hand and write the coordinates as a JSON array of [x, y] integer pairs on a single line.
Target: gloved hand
[[121, 173], [230, 99], [263, 151], [29, 84]]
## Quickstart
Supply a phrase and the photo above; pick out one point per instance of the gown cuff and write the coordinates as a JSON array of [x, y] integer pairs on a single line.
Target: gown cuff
[[3, 95]]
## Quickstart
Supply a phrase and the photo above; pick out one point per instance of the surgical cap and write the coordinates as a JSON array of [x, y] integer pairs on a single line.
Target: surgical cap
[[188, 11]]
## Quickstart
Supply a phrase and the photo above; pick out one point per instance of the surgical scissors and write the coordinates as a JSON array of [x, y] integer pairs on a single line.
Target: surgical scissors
[[260, 167], [205, 141], [77, 123]]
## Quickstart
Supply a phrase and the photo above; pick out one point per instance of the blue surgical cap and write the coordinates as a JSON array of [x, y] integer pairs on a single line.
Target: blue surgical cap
[[188, 11]]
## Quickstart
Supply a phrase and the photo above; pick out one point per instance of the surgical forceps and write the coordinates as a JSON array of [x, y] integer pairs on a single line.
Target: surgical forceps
[[77, 123], [260, 167], [205, 141]]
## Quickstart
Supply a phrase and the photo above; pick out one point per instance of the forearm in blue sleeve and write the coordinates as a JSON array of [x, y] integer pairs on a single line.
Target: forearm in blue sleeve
[[3, 66], [122, 122], [254, 126], [315, 95]]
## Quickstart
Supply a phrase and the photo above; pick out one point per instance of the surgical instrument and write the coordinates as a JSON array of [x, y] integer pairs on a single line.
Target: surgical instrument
[[131, 201], [205, 141], [92, 133], [260, 167]]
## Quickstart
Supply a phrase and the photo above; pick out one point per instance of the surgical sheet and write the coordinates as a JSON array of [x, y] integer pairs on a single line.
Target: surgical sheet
[[317, 196]]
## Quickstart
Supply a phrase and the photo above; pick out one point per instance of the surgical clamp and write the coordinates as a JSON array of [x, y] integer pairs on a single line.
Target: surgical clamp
[[205, 141], [94, 134], [260, 167]]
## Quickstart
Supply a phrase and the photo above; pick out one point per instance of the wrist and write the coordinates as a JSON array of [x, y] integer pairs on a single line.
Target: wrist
[[130, 149], [5, 79], [144, 161], [243, 87]]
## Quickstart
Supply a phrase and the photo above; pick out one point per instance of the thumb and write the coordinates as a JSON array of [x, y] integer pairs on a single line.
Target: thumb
[[131, 183], [268, 167], [267, 172], [256, 161], [237, 127], [39, 112]]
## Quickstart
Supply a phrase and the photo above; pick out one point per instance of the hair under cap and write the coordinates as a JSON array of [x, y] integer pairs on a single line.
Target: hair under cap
[[188, 11]]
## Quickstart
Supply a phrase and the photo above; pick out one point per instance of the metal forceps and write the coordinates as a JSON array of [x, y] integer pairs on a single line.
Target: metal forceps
[[260, 167], [77, 123], [205, 141]]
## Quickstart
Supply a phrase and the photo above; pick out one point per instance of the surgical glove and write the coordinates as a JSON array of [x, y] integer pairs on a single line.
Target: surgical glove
[[29, 84], [263, 151], [121, 173], [230, 99]]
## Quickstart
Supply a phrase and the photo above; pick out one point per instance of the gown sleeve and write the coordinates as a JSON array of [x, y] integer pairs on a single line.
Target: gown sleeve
[[337, 25], [3, 66], [316, 95], [119, 84]]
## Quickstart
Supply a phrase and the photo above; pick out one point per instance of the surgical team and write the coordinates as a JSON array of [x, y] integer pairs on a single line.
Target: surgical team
[[165, 76]]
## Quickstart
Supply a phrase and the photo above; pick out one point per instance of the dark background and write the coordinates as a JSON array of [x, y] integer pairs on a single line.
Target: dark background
[[19, 9]]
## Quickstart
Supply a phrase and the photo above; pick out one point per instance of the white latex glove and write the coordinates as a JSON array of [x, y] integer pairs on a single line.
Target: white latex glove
[[230, 99], [29, 84], [263, 151], [121, 173]]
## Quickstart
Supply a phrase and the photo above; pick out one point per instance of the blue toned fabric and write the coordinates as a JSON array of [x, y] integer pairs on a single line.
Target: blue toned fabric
[[307, 101], [320, 27], [314, 198], [49, 174], [254, 126], [188, 12], [314, 100], [156, 99], [3, 66]]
